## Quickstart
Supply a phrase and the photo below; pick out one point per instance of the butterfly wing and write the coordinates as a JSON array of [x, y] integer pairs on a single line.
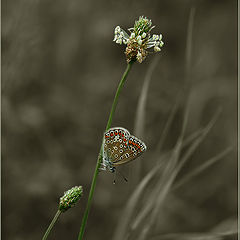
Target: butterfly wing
[[135, 147], [115, 143]]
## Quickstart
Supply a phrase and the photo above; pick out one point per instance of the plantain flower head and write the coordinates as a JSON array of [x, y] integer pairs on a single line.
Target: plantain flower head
[[139, 41], [70, 198]]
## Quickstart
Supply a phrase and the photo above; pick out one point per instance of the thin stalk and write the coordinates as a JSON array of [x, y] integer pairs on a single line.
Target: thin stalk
[[51, 225], [94, 180], [120, 86]]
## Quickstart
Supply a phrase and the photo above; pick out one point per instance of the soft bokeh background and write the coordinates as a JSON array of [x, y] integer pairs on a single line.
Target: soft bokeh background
[[60, 69]]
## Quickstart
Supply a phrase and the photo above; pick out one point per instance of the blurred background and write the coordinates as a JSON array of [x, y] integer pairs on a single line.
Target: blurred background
[[60, 70]]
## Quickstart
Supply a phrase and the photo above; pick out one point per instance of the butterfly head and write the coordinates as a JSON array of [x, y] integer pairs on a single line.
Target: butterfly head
[[107, 164]]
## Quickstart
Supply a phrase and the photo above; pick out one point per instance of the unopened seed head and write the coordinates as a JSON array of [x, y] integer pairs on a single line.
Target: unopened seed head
[[70, 198]]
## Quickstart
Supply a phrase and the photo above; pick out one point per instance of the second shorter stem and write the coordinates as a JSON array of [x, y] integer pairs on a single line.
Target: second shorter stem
[[51, 225]]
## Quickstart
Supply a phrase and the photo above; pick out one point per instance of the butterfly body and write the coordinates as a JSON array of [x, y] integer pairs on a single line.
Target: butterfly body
[[119, 147]]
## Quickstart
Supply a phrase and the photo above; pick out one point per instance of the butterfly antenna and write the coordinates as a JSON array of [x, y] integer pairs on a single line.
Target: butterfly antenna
[[126, 180], [114, 180]]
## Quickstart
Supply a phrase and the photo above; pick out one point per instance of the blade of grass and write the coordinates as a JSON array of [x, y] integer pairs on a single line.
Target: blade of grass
[[197, 142], [195, 136], [139, 124], [188, 54], [172, 175], [186, 142], [149, 203], [124, 221], [141, 106], [208, 163], [163, 187], [192, 136], [148, 206], [167, 126], [172, 172], [201, 168], [165, 183]]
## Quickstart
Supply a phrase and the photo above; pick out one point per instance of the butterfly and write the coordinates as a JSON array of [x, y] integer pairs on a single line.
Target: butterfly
[[120, 147]]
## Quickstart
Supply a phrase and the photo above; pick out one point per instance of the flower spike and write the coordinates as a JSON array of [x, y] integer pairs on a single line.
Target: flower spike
[[139, 40], [70, 198]]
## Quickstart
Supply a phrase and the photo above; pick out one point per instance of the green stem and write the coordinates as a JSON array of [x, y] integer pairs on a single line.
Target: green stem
[[51, 225], [117, 95], [93, 185]]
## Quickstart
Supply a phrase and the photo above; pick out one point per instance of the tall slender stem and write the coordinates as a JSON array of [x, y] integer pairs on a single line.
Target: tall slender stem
[[51, 225], [93, 185], [117, 95]]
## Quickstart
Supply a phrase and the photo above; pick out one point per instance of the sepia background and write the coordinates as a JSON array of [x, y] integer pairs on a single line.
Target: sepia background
[[60, 70]]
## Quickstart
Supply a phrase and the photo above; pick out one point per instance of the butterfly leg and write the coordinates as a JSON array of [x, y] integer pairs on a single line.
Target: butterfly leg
[[102, 168]]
